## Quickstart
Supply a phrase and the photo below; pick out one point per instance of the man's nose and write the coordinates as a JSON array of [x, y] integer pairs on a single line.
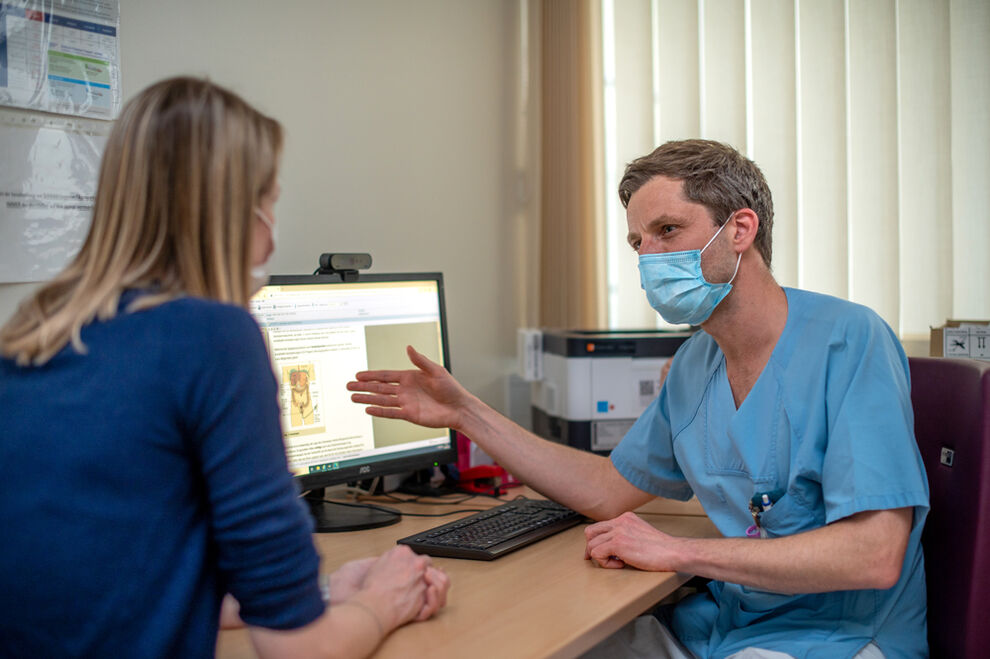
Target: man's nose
[[649, 245]]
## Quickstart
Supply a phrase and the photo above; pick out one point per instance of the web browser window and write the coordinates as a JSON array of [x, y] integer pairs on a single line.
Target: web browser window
[[318, 336]]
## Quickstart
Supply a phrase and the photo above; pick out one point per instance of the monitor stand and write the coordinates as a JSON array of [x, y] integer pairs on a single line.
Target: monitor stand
[[333, 517]]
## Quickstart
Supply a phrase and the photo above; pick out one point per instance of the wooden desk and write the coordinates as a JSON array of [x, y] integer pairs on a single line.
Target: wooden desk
[[544, 600]]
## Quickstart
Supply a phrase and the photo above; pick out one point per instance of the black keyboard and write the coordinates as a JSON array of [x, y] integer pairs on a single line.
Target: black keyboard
[[487, 535]]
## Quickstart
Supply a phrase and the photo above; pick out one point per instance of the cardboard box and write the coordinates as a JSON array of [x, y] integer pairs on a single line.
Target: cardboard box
[[961, 338]]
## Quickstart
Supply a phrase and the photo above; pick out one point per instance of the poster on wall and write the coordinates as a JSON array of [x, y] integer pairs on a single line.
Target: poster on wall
[[61, 56], [47, 186], [59, 89]]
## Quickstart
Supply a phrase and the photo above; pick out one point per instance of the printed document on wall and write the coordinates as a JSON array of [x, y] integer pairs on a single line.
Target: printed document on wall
[[47, 188], [61, 56]]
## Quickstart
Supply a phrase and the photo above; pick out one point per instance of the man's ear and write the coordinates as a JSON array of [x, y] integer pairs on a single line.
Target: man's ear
[[744, 231]]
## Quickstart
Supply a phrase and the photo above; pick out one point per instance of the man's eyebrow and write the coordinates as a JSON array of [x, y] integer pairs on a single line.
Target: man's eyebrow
[[665, 218], [661, 219]]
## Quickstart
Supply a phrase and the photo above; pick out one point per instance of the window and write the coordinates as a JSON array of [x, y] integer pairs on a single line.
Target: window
[[870, 120]]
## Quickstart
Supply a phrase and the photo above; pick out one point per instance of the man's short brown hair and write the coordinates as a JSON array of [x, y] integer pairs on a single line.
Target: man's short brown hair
[[714, 175]]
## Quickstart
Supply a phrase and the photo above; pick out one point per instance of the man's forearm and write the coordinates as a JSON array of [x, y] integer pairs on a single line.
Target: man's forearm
[[863, 551], [581, 480]]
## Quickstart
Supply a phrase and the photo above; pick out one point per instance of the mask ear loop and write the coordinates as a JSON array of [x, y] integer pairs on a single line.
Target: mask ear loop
[[273, 230], [738, 259], [271, 225], [717, 232]]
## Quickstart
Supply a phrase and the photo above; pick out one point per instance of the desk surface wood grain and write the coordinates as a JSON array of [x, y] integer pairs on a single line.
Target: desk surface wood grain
[[544, 600]]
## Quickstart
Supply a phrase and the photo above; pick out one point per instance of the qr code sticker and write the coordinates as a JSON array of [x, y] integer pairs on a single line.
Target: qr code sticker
[[646, 388]]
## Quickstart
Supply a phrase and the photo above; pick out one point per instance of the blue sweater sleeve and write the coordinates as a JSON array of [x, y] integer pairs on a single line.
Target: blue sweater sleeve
[[262, 534]]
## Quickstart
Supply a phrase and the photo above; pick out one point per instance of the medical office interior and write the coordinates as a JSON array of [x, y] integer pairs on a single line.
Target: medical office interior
[[485, 139]]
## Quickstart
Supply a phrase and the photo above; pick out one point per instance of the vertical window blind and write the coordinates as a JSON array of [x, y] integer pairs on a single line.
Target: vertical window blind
[[870, 120]]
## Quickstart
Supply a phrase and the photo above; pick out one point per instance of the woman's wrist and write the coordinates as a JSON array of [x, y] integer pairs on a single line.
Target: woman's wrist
[[368, 611], [230, 613]]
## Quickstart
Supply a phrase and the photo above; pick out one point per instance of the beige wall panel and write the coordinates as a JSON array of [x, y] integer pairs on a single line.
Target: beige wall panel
[[970, 64], [925, 166], [872, 139], [822, 148], [774, 124], [724, 72]]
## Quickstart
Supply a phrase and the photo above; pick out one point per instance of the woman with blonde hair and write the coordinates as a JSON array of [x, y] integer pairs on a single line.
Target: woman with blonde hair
[[146, 497]]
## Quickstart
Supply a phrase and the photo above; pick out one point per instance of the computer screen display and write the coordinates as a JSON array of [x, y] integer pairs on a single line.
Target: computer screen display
[[320, 331]]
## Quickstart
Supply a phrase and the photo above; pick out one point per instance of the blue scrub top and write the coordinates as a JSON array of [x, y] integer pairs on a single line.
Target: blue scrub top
[[829, 423]]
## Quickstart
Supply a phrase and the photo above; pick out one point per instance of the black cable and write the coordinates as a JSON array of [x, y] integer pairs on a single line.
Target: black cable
[[357, 505], [447, 514], [401, 513], [437, 500], [496, 493]]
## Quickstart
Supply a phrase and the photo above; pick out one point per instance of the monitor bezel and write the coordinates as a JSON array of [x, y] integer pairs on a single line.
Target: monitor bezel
[[385, 466]]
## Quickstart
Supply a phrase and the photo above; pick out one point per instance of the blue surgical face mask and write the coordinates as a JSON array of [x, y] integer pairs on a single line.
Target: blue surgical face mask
[[676, 287]]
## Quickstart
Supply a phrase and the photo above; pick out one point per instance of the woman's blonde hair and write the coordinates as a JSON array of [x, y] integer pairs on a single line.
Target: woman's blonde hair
[[183, 171]]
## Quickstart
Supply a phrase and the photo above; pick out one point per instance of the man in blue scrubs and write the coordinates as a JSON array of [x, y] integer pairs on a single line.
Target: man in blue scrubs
[[788, 415]]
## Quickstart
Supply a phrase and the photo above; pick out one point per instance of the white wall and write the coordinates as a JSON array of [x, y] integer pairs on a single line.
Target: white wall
[[398, 123]]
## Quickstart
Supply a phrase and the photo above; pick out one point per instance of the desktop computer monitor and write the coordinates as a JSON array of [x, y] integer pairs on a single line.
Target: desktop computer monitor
[[320, 330]]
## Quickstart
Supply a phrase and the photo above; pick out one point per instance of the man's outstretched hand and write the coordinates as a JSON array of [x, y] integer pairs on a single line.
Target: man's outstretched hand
[[427, 395]]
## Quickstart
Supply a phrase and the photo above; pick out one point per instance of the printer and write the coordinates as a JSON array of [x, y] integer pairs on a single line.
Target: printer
[[589, 387]]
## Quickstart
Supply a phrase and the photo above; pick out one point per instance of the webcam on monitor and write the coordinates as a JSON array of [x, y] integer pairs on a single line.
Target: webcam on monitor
[[345, 265]]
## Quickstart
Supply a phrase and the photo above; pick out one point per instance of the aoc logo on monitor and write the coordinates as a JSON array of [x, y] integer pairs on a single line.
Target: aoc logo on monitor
[[366, 469]]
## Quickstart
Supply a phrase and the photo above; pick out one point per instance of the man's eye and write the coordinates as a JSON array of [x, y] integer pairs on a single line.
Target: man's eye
[[667, 228]]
